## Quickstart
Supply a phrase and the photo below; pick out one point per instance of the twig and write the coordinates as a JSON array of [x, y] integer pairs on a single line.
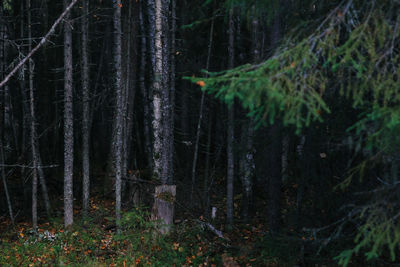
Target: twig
[[213, 229], [29, 167]]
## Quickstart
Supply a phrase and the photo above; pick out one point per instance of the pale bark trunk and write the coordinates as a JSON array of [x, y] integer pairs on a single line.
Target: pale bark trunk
[[68, 122], [85, 109], [157, 93], [117, 142], [163, 208]]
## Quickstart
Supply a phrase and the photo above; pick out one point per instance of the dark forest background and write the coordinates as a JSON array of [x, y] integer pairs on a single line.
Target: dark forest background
[[281, 116]]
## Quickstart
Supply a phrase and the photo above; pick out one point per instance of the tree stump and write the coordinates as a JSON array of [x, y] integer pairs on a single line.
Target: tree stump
[[163, 207]]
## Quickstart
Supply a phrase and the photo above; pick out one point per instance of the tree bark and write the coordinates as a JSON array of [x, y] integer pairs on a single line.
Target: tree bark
[[85, 108], [2, 122], [230, 133], [68, 122], [157, 93], [117, 142], [171, 147], [166, 94], [163, 208], [144, 90], [33, 126]]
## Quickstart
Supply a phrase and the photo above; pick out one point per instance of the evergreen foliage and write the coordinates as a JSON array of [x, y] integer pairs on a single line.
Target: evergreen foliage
[[353, 54]]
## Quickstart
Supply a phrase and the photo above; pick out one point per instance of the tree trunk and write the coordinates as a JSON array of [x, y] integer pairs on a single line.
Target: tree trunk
[[171, 147], [2, 114], [33, 126], [157, 93], [165, 94], [198, 131], [117, 142], [3, 178], [230, 133], [144, 90], [85, 108], [163, 207], [68, 122]]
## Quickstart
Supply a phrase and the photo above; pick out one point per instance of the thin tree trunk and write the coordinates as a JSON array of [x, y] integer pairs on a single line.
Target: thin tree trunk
[[130, 92], [33, 126], [157, 93], [117, 142], [171, 138], [3, 178], [230, 133], [247, 164], [143, 89], [165, 94], [206, 195], [26, 118], [42, 179], [68, 122], [198, 131], [85, 109]]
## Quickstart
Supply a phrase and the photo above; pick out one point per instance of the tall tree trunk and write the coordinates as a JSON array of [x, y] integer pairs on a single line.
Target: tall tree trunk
[[86, 108], [230, 133], [206, 195], [247, 164], [68, 122], [198, 131], [25, 119], [157, 93], [3, 178], [165, 92], [36, 159], [171, 147], [2, 112], [117, 142], [33, 126], [129, 91], [144, 90]]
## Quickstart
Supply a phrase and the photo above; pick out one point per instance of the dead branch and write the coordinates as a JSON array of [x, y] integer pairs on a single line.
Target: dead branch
[[40, 44]]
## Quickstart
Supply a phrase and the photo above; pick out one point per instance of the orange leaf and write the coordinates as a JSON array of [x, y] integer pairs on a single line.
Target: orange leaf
[[201, 83]]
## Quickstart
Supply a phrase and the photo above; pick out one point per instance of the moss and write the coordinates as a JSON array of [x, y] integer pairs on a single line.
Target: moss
[[166, 196]]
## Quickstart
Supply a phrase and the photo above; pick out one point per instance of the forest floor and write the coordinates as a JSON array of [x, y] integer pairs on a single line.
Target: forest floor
[[94, 241]]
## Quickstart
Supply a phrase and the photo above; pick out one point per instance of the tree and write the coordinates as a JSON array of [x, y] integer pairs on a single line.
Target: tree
[[118, 132], [157, 91], [231, 130], [86, 108], [336, 57], [68, 122]]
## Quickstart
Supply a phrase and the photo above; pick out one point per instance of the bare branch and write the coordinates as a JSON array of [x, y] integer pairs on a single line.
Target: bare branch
[[40, 44]]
